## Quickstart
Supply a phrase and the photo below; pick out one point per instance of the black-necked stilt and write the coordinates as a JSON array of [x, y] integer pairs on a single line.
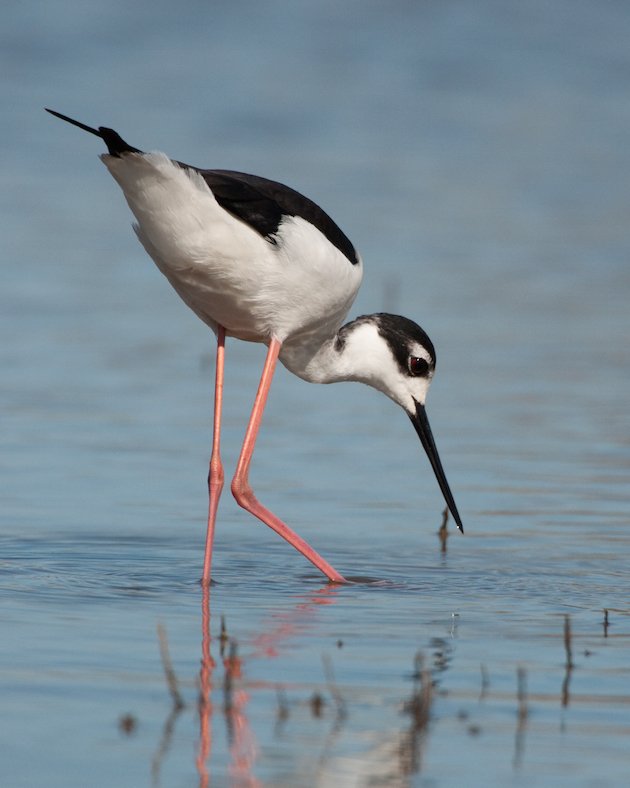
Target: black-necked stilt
[[258, 261]]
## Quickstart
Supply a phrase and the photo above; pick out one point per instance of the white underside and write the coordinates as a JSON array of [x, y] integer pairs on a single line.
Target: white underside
[[297, 290]]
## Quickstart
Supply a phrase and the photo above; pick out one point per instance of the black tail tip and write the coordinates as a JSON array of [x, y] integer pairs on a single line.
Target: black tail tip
[[74, 122], [115, 143]]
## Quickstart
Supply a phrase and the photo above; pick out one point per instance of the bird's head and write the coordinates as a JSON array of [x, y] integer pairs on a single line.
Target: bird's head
[[394, 355]]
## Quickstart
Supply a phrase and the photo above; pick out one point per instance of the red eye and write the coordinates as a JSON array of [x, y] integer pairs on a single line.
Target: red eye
[[418, 367]]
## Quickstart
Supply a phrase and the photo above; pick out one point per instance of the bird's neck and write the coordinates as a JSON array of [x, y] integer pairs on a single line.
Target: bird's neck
[[313, 360], [343, 356]]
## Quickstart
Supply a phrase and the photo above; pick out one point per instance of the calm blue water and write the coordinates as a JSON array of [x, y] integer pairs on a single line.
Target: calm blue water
[[477, 154]]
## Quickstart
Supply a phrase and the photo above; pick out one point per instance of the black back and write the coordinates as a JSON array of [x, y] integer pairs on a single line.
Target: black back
[[262, 203]]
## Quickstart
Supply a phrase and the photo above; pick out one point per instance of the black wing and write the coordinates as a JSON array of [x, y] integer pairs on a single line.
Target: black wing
[[262, 203]]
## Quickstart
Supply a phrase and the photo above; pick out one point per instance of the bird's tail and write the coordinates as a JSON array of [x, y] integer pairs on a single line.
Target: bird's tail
[[115, 143]]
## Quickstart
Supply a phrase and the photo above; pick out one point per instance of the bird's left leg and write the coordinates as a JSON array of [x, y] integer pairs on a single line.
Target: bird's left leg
[[215, 473], [241, 488]]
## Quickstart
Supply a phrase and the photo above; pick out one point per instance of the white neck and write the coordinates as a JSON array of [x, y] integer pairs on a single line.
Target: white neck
[[357, 352], [313, 360]]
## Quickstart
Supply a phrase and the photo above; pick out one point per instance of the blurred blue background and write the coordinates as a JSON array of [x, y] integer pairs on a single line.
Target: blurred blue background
[[477, 155]]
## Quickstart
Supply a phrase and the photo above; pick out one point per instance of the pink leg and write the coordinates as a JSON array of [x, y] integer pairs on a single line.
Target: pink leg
[[240, 484], [215, 474]]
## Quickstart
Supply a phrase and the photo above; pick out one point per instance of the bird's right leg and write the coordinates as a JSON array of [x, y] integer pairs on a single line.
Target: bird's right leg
[[241, 488], [215, 473]]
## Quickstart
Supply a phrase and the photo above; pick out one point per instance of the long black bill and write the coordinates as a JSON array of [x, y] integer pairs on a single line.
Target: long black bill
[[421, 423]]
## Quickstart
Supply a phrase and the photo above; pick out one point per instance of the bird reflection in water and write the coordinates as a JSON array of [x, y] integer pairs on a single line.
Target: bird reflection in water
[[241, 739], [396, 755]]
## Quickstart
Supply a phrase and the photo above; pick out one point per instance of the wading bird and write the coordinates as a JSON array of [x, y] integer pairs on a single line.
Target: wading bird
[[257, 261]]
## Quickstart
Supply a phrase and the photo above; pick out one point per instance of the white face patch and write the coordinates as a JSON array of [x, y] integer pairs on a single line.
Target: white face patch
[[418, 389], [368, 358]]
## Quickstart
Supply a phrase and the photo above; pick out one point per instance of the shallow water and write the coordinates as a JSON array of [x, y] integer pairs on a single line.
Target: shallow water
[[477, 155]]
